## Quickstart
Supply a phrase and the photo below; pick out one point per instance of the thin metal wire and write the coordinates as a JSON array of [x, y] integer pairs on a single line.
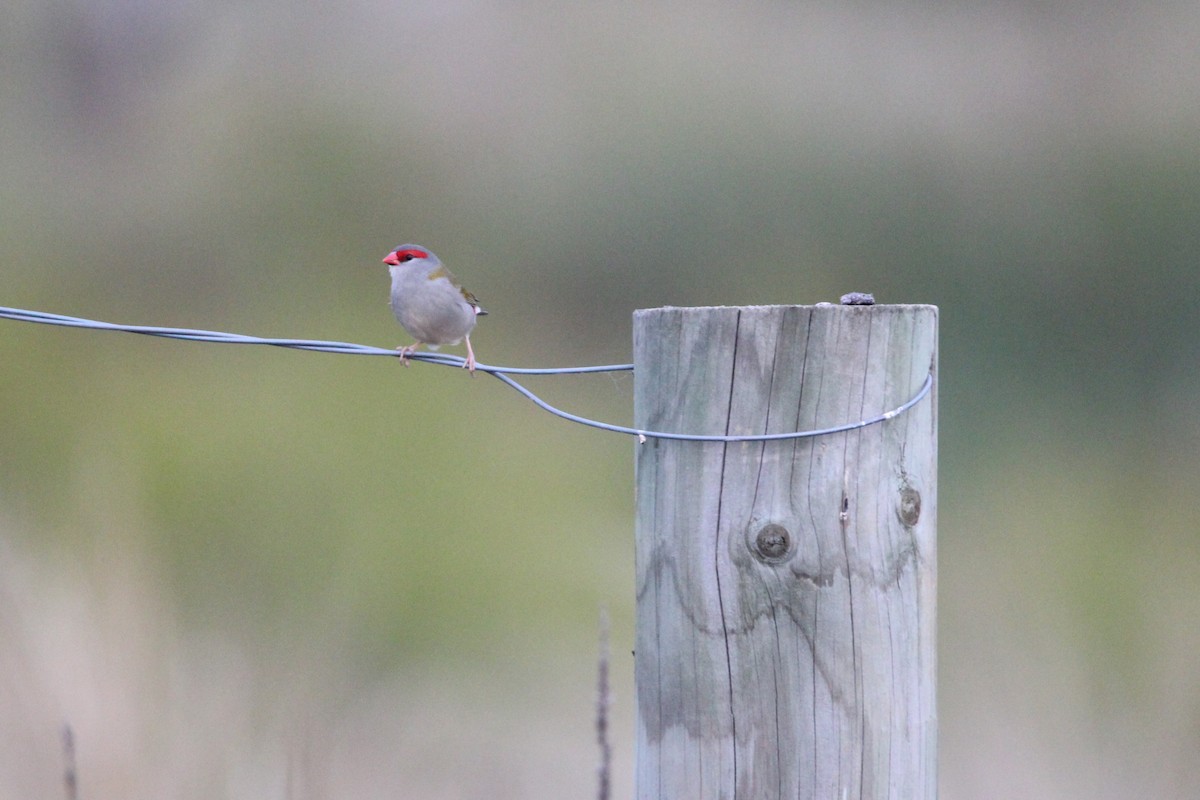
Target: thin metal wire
[[443, 359]]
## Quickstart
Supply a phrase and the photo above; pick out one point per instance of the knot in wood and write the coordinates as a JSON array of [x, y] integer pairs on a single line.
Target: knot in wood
[[772, 543], [909, 508]]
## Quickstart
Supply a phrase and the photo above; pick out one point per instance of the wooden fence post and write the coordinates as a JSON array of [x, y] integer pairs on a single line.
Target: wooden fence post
[[786, 591]]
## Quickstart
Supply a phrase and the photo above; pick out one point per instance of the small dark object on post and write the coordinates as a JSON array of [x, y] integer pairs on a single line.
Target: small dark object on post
[[858, 299]]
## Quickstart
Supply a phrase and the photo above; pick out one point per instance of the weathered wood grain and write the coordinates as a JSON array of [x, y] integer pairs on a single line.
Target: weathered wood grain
[[786, 590]]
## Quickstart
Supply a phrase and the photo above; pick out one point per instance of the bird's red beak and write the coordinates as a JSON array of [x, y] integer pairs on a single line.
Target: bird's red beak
[[391, 259]]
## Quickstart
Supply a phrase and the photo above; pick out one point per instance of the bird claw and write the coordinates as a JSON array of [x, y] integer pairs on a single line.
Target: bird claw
[[405, 352]]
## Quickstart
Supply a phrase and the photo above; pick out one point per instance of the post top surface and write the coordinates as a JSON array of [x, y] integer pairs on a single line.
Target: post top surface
[[857, 309]]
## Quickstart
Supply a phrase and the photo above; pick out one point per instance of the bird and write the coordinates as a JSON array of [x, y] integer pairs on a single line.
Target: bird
[[430, 303]]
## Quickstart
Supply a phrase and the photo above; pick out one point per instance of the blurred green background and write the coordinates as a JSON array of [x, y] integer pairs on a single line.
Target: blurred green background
[[244, 573]]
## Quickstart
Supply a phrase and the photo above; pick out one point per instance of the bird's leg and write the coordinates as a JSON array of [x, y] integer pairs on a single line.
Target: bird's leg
[[407, 351], [470, 362]]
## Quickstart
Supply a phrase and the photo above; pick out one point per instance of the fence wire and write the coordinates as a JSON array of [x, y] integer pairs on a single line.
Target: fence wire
[[443, 359]]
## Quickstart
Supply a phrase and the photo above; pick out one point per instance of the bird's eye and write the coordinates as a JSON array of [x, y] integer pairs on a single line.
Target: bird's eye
[[406, 256]]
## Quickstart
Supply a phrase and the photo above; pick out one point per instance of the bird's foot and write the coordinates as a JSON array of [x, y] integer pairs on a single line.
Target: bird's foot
[[405, 352], [470, 362]]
